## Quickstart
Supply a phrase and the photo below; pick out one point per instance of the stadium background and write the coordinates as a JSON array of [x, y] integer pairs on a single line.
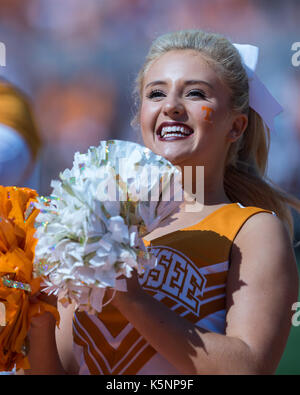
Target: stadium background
[[78, 59]]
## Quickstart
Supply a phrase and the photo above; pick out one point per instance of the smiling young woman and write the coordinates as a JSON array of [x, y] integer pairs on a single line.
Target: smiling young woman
[[219, 300]]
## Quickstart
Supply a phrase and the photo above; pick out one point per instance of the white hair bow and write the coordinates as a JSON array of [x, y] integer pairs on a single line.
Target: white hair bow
[[260, 99]]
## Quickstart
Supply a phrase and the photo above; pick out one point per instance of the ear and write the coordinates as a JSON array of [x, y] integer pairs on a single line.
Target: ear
[[239, 125]]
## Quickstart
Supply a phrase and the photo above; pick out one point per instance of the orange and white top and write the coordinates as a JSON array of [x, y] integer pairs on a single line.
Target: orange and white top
[[190, 278]]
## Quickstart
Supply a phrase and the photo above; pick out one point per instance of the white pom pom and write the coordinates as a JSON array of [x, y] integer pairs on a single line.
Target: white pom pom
[[90, 229]]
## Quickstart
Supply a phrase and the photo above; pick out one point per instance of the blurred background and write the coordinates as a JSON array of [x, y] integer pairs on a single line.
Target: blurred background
[[77, 61]]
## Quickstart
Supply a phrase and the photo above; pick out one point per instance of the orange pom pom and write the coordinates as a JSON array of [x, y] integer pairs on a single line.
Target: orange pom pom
[[17, 245]]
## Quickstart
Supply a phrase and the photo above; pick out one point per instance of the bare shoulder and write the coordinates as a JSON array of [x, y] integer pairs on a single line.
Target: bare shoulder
[[264, 232], [263, 221], [263, 247]]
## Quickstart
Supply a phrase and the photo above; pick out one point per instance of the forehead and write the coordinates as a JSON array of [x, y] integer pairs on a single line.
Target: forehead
[[180, 65]]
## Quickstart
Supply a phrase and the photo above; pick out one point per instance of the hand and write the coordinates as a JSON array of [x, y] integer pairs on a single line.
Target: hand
[[46, 319], [134, 290]]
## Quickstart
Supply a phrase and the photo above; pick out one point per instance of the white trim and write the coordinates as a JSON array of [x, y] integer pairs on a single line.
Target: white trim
[[93, 343], [113, 341], [214, 322], [90, 354], [110, 369], [135, 356], [216, 268], [128, 352]]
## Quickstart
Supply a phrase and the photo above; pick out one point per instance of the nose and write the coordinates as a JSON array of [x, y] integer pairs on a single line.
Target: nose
[[173, 107]]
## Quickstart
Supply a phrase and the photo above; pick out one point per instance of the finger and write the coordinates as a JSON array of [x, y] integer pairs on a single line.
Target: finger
[[43, 297]]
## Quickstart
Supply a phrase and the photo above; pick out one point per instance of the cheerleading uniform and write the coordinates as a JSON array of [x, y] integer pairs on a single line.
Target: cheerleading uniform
[[190, 278]]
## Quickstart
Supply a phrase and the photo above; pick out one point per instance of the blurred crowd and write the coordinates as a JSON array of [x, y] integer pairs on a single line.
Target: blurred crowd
[[77, 61]]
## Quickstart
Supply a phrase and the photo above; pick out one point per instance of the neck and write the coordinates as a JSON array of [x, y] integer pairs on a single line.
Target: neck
[[195, 180]]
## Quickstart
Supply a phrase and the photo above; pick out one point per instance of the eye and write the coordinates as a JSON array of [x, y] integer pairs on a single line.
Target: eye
[[155, 94], [197, 93]]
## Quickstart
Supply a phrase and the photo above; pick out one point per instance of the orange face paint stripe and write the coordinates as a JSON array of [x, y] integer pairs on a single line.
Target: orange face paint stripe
[[209, 111]]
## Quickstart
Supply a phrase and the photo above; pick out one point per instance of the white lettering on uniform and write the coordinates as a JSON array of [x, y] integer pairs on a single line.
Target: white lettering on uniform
[[156, 275], [191, 289], [176, 273], [176, 277]]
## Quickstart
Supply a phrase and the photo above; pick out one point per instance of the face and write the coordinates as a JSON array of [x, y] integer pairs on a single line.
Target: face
[[185, 114]]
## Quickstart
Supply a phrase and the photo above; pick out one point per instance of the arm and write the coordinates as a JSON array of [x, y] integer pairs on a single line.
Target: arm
[[51, 348], [262, 286]]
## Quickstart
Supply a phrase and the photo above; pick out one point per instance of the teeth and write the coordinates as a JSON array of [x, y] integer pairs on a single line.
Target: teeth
[[174, 135], [169, 129]]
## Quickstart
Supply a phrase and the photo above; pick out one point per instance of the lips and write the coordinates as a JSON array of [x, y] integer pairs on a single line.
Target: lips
[[173, 131]]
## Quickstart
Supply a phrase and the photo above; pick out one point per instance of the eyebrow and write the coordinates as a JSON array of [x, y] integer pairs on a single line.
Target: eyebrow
[[188, 82]]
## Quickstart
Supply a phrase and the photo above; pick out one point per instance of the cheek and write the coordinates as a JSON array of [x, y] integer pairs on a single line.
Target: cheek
[[213, 117], [148, 116], [144, 115], [145, 125]]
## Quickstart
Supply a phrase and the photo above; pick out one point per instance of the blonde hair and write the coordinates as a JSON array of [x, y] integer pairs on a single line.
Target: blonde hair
[[245, 179]]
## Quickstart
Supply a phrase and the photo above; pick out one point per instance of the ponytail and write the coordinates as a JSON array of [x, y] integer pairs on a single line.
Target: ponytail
[[245, 179]]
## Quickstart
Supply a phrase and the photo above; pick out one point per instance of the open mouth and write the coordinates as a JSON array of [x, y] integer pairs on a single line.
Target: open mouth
[[173, 132]]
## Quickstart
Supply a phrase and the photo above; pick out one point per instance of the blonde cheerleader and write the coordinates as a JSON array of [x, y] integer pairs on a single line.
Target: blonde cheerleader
[[219, 300]]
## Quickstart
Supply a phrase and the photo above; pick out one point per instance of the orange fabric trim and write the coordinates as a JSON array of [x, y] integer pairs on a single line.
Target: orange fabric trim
[[96, 335], [129, 340], [114, 321], [213, 293], [213, 279], [140, 361], [114, 356], [212, 307], [131, 356], [90, 363], [87, 345]]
